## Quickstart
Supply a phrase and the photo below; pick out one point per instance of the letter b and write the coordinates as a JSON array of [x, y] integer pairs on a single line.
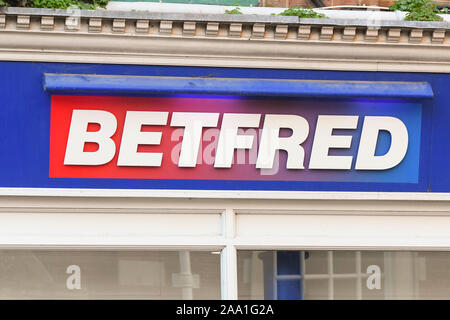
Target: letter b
[[78, 136]]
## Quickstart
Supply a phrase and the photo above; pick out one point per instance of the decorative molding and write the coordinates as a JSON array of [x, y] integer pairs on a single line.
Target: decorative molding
[[142, 26], [325, 28], [23, 22], [189, 28], [258, 30], [304, 32], [119, 26], [393, 35], [349, 33], [47, 23], [235, 30], [165, 27], [438, 36], [372, 34], [326, 33], [317, 43], [72, 24], [415, 35], [212, 29], [2, 21], [281, 31], [95, 25]]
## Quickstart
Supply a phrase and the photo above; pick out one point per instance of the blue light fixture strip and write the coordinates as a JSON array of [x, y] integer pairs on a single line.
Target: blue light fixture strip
[[142, 85]]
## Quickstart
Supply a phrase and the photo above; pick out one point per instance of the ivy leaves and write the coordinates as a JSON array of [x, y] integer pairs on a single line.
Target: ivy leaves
[[419, 10], [297, 11], [236, 10], [302, 13], [56, 4]]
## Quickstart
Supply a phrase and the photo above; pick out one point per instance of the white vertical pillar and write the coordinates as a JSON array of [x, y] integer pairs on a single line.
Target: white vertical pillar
[[330, 276], [303, 269], [185, 268], [359, 276], [228, 261]]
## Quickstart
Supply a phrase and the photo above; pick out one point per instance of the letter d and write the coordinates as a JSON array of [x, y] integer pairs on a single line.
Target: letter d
[[369, 136]]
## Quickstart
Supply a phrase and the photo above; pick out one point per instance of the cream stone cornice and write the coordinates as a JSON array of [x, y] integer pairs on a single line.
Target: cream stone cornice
[[222, 40]]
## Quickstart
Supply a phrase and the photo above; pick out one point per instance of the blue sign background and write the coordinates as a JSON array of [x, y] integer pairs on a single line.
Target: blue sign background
[[25, 126]]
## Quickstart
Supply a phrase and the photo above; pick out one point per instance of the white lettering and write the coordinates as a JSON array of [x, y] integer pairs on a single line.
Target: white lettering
[[78, 136], [193, 124], [236, 140], [324, 140], [366, 159], [132, 137], [270, 140], [229, 140]]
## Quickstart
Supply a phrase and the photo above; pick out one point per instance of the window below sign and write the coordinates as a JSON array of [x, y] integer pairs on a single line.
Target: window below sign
[[312, 274], [72, 274], [343, 275]]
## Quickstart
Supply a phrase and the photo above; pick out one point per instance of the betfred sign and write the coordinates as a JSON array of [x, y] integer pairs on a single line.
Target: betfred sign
[[217, 138]]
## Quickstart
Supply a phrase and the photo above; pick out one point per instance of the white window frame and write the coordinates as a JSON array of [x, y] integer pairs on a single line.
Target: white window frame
[[241, 220], [330, 276]]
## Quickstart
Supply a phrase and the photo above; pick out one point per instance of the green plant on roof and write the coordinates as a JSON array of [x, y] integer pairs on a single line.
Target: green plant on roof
[[419, 10], [56, 4], [302, 13], [236, 10]]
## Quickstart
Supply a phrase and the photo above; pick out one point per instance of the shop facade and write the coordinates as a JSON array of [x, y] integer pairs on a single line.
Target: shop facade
[[177, 156]]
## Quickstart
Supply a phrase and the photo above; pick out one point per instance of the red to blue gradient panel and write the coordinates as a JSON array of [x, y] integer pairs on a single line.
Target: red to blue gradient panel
[[243, 167]]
